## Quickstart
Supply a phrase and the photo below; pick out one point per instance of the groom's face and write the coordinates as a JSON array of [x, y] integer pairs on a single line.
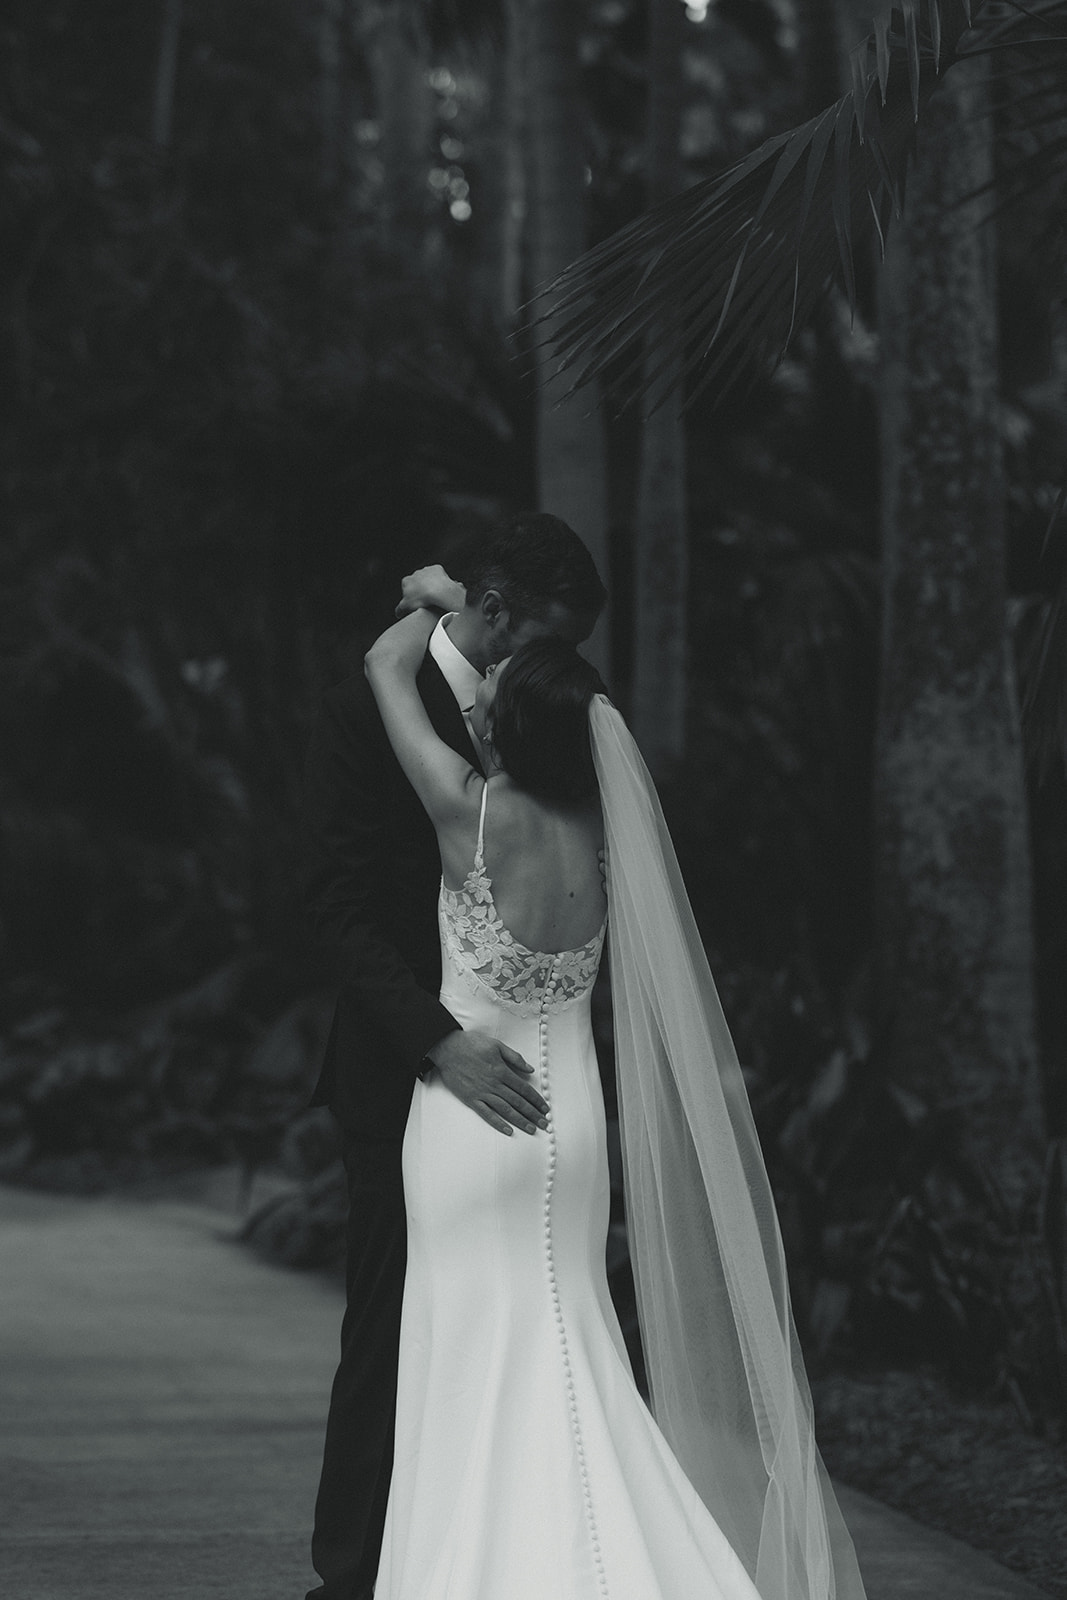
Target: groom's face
[[502, 636], [505, 634]]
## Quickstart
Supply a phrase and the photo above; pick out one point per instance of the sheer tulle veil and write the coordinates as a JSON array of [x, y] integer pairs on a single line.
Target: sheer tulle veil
[[726, 1376]]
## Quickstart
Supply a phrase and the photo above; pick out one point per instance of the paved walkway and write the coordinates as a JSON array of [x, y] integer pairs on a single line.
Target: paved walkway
[[162, 1398]]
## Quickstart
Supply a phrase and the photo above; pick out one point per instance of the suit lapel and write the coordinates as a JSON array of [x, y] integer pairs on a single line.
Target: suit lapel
[[443, 711]]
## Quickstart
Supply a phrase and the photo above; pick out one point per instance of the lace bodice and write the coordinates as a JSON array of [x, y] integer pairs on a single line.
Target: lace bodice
[[487, 956]]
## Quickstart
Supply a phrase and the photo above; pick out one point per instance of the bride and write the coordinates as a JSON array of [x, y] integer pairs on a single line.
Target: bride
[[527, 1466]]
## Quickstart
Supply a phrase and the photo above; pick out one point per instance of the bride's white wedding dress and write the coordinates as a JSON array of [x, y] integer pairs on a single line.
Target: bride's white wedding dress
[[527, 1466]]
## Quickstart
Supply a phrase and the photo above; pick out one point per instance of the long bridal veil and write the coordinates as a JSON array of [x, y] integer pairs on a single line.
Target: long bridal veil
[[726, 1376]]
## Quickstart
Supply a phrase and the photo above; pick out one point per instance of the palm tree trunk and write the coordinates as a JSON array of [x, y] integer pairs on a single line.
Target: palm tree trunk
[[571, 465], [823, 54], [952, 853], [500, 192], [162, 125], [661, 563], [330, 24], [405, 117]]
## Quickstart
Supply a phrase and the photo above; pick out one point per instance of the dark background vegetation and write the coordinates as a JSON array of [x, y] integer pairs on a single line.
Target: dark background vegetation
[[258, 365]]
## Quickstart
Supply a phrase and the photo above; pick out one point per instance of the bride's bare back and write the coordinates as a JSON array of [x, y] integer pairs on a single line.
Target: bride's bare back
[[543, 861]]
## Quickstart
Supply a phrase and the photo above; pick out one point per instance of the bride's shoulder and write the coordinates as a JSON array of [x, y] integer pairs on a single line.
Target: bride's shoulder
[[466, 801]]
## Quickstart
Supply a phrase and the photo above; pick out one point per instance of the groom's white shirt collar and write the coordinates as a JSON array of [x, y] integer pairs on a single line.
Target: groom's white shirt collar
[[461, 677]]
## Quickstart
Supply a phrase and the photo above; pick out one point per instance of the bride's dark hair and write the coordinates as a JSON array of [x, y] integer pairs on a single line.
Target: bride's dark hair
[[540, 721]]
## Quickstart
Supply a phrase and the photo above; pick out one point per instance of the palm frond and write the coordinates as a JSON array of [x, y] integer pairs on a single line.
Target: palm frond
[[740, 261], [735, 264]]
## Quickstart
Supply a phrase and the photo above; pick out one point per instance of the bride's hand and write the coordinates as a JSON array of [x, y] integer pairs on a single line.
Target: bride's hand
[[430, 588]]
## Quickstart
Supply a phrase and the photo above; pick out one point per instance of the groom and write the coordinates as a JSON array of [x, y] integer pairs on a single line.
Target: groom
[[373, 875]]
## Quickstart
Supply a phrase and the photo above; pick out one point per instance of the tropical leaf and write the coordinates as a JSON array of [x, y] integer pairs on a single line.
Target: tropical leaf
[[734, 265]]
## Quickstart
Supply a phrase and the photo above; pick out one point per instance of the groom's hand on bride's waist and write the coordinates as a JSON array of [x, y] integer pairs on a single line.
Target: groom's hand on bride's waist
[[491, 1078]]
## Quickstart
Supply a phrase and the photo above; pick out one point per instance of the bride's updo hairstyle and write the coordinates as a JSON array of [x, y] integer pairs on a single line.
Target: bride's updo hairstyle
[[540, 721]]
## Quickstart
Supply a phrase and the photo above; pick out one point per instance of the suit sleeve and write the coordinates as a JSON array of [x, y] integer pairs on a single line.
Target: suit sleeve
[[343, 838]]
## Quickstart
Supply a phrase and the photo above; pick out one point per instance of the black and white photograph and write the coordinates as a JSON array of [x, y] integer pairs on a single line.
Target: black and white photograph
[[533, 800]]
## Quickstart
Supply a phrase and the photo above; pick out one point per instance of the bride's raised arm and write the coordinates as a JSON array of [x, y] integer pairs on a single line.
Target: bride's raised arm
[[442, 779]]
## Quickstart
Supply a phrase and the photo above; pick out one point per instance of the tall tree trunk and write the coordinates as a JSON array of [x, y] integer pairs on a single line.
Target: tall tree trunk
[[571, 465], [405, 117], [331, 71], [823, 59], [162, 124], [952, 854], [661, 562], [500, 194]]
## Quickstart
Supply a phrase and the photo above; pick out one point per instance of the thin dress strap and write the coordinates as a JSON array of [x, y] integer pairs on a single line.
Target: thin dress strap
[[479, 854]]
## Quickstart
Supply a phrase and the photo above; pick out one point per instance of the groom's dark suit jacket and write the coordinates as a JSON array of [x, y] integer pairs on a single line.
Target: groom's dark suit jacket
[[373, 870]]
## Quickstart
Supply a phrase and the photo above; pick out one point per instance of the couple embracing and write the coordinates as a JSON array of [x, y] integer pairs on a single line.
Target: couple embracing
[[481, 827]]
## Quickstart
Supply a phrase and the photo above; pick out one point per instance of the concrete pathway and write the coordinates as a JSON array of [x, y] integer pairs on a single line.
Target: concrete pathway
[[162, 1399]]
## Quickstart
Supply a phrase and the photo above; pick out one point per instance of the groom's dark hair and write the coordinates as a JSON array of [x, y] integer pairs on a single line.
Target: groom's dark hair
[[534, 561]]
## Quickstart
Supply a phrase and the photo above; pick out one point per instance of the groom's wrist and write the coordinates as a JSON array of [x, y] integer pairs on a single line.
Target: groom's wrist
[[431, 1058], [428, 1061]]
